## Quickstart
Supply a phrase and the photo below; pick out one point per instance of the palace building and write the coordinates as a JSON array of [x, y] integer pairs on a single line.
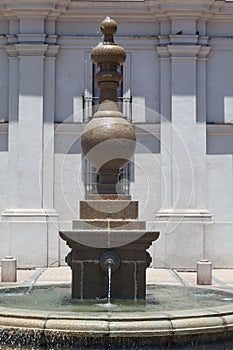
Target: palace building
[[177, 90]]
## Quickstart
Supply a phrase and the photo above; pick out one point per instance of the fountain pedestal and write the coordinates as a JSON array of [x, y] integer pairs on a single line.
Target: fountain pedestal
[[109, 225]]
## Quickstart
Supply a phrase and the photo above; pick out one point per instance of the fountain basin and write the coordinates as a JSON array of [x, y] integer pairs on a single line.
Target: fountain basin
[[100, 327]]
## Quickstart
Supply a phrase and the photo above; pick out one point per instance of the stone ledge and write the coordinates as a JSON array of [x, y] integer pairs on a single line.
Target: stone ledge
[[151, 328], [109, 224]]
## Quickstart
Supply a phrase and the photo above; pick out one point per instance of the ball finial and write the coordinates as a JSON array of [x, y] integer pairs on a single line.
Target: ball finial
[[108, 26]]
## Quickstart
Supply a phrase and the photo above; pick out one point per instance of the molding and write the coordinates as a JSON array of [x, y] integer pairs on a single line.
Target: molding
[[31, 50], [221, 43], [204, 52], [31, 38], [183, 39], [3, 41], [197, 215], [183, 51], [29, 213], [130, 10], [11, 51], [163, 52], [77, 128], [219, 129], [30, 9], [52, 51], [87, 42]]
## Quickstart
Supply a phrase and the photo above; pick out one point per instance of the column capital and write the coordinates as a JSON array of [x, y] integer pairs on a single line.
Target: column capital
[[163, 52], [31, 50], [3, 41], [11, 51], [180, 51], [204, 52], [52, 51], [184, 51]]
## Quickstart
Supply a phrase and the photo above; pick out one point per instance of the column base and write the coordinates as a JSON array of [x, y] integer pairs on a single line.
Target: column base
[[196, 215], [30, 213], [31, 236]]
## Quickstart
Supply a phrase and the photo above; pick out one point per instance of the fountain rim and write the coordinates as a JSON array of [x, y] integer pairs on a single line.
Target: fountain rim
[[216, 321]]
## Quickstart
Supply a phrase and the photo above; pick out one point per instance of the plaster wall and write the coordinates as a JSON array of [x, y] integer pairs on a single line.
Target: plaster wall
[[46, 73]]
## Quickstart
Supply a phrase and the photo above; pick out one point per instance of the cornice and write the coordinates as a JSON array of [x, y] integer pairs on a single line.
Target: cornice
[[221, 43], [137, 10], [33, 9], [129, 42], [219, 129], [183, 46]]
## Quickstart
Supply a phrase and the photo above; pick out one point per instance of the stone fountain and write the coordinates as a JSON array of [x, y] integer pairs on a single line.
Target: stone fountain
[[108, 234], [110, 238]]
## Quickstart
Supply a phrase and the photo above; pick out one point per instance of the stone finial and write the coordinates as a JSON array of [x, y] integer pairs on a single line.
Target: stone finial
[[108, 28], [108, 140]]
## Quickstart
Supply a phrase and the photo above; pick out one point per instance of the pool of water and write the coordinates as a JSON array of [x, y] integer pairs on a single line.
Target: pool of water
[[159, 298], [57, 299]]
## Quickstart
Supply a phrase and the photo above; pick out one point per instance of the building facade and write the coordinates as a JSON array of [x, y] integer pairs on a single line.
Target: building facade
[[178, 91]]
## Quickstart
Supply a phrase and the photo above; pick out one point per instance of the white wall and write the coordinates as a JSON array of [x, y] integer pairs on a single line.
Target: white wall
[[157, 58]]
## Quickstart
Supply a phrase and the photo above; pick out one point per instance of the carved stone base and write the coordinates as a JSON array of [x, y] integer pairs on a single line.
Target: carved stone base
[[89, 280]]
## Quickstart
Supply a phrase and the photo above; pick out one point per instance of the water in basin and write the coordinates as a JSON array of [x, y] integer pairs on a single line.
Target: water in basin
[[159, 298]]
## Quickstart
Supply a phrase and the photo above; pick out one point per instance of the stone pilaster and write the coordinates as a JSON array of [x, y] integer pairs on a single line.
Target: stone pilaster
[[30, 210], [183, 214], [182, 145]]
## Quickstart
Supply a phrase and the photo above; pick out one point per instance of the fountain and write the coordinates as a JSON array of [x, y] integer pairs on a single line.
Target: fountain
[[109, 260], [108, 238]]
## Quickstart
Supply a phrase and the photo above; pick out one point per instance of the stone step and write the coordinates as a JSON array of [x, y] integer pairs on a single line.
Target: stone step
[[108, 209], [109, 224]]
